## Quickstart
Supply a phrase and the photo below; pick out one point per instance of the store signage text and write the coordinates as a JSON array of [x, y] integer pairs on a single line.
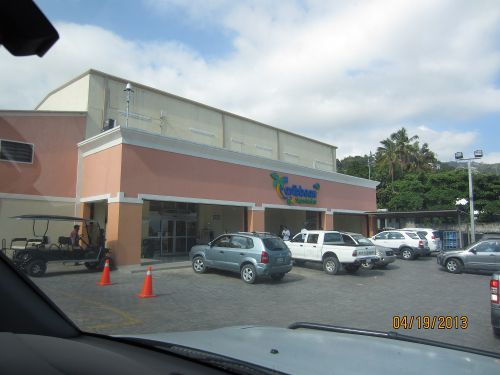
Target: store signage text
[[294, 194]]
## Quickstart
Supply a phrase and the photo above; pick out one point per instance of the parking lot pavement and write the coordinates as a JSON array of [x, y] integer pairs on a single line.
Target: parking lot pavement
[[368, 299]]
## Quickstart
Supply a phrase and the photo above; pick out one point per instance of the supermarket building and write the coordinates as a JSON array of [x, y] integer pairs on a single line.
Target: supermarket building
[[170, 174]]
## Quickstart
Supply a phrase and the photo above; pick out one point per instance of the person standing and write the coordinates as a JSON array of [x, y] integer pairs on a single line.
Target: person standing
[[75, 236], [285, 234]]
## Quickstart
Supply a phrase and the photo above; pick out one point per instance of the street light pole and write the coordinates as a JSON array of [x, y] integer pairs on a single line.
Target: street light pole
[[370, 166], [128, 89], [471, 204], [477, 155]]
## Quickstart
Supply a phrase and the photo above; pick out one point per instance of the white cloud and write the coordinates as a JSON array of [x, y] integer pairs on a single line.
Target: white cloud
[[344, 72], [491, 157]]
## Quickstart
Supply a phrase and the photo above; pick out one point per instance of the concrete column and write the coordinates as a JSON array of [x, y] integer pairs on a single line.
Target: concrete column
[[326, 220], [255, 220], [123, 232], [372, 225]]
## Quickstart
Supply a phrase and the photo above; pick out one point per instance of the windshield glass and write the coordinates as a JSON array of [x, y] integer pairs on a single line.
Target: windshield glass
[[201, 136]]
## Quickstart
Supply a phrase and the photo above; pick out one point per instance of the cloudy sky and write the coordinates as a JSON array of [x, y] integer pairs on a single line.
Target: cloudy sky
[[345, 72]]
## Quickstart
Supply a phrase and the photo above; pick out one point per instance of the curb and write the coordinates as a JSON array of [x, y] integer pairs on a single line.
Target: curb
[[157, 267]]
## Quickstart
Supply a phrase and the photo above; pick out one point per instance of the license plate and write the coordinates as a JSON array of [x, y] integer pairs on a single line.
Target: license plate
[[279, 260]]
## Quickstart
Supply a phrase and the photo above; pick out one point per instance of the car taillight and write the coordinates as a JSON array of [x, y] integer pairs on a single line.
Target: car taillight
[[355, 253], [420, 243], [494, 292], [264, 257]]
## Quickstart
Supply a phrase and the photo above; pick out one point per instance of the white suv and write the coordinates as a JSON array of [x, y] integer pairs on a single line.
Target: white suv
[[408, 244], [431, 235]]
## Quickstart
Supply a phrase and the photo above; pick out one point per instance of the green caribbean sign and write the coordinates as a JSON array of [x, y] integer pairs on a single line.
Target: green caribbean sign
[[294, 194]]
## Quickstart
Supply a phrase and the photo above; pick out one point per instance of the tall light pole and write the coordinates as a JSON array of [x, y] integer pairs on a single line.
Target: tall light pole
[[128, 89], [478, 154]]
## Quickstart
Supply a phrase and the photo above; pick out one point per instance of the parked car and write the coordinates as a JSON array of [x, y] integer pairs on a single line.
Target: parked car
[[487, 236], [407, 244], [333, 249], [495, 303], [432, 237], [250, 254], [384, 254], [481, 255]]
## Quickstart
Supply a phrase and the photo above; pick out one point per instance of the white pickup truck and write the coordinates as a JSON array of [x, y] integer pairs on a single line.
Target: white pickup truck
[[332, 248]]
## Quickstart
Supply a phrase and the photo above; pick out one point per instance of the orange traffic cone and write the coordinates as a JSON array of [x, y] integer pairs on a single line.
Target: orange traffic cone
[[147, 289], [105, 275]]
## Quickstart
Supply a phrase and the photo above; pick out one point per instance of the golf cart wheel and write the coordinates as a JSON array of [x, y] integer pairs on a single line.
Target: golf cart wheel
[[91, 266], [36, 268]]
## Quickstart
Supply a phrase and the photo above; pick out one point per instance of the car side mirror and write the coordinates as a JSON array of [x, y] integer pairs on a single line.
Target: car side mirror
[[210, 243], [473, 251]]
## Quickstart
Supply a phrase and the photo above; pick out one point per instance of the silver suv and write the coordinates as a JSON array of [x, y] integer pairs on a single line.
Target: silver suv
[[431, 235], [408, 244], [250, 254], [482, 255]]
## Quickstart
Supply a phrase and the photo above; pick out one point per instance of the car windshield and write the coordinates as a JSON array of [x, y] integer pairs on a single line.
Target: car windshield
[[226, 150]]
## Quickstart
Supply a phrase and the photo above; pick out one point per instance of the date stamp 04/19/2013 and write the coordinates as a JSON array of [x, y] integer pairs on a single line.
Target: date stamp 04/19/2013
[[430, 322]]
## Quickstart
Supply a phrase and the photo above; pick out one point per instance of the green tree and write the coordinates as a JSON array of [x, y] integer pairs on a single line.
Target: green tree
[[354, 166], [386, 159]]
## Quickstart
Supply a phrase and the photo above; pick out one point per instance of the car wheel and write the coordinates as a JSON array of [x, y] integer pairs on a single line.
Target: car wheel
[[407, 253], [331, 265], [453, 265], [366, 265], [352, 268], [248, 273], [277, 276], [36, 268], [199, 264]]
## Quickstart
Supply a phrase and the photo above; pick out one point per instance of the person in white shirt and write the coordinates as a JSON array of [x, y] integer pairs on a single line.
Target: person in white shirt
[[303, 232], [285, 234]]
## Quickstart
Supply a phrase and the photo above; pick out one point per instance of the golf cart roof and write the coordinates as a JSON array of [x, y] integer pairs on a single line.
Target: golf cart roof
[[51, 217]]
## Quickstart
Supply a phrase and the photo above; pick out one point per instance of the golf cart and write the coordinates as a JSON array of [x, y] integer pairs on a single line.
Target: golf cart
[[31, 255]]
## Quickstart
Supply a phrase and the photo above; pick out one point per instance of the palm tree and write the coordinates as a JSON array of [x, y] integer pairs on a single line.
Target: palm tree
[[423, 158], [404, 148], [387, 158]]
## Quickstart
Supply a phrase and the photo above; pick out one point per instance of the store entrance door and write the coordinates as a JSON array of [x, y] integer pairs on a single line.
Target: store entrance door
[[178, 236]]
